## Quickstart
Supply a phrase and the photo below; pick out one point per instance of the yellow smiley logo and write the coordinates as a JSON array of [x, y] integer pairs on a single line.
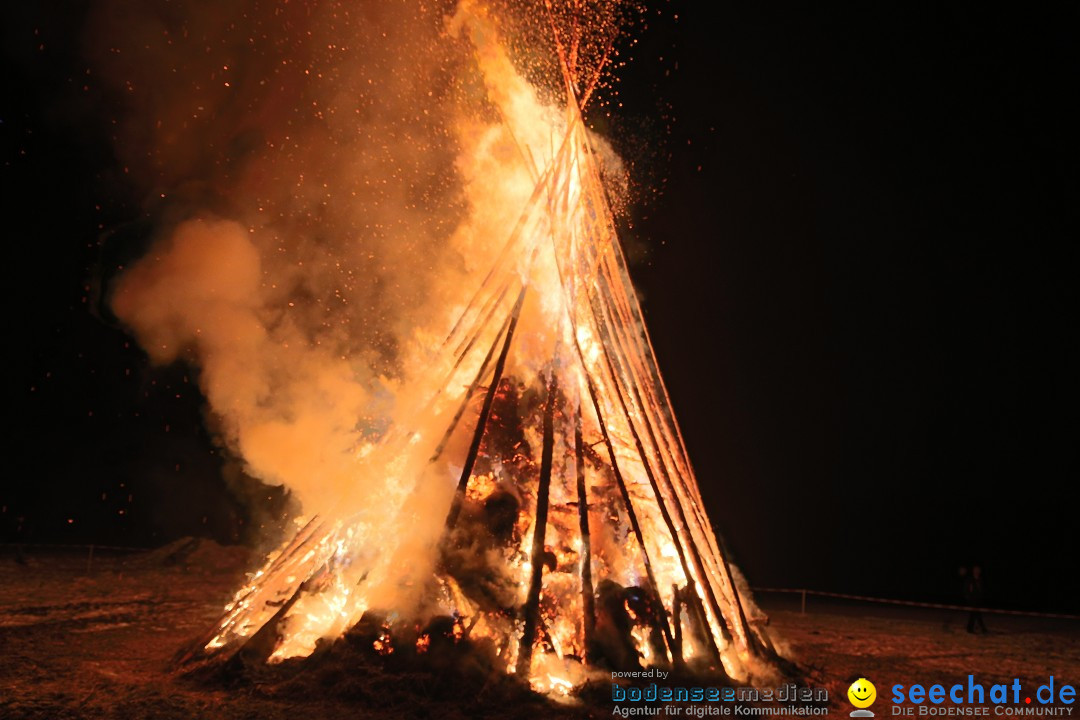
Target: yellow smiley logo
[[862, 693]]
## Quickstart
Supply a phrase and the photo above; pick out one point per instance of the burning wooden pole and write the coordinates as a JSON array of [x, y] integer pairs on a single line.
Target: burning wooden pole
[[676, 619], [611, 290], [503, 257], [613, 273], [485, 413], [463, 351], [532, 605], [661, 618], [673, 483], [621, 297], [625, 494], [588, 600], [602, 261], [654, 484], [469, 392], [622, 372]]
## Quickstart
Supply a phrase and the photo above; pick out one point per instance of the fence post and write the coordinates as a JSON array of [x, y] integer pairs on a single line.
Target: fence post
[[802, 611]]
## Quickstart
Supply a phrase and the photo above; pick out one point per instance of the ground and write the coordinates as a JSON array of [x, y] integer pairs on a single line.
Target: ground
[[84, 636], [836, 641]]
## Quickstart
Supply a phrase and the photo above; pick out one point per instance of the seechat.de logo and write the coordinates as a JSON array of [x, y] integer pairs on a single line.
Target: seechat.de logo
[[862, 694]]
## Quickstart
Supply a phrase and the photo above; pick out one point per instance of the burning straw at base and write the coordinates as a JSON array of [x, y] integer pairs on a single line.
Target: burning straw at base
[[523, 484]]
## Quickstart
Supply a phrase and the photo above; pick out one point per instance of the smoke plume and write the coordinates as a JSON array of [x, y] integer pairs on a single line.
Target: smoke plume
[[303, 160]]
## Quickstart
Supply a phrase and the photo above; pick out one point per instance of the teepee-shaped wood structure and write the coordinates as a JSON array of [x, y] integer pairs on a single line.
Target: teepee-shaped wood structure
[[574, 531]]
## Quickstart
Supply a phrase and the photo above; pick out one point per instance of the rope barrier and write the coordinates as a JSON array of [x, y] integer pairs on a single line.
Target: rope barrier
[[912, 603]]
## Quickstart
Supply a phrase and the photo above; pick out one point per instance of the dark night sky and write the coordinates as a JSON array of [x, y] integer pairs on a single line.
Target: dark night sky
[[858, 277]]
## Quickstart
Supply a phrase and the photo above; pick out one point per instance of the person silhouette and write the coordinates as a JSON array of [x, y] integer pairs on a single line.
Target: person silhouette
[[973, 596]]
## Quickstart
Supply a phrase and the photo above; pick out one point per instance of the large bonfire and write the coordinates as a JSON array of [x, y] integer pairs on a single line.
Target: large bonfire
[[529, 489]]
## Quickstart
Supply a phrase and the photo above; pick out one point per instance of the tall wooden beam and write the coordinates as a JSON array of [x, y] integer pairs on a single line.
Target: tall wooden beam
[[480, 374], [653, 483], [631, 384], [676, 619], [697, 513], [625, 494], [616, 472], [485, 413], [588, 599], [543, 490]]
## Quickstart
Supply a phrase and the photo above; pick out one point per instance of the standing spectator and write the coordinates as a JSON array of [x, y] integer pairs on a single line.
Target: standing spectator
[[973, 596]]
